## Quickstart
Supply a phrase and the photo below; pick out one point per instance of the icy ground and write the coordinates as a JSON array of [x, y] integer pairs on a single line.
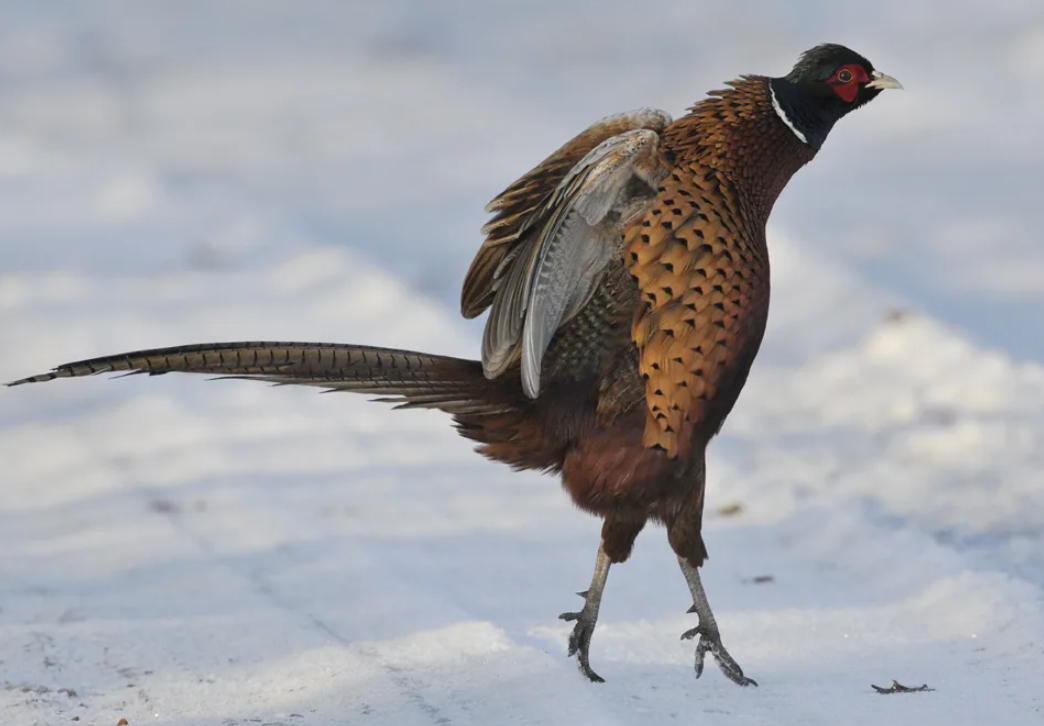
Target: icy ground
[[174, 551]]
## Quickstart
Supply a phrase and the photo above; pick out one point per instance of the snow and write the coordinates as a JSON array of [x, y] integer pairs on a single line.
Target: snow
[[183, 552]]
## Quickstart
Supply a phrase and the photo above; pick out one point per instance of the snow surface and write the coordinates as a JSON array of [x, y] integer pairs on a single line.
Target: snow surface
[[182, 552]]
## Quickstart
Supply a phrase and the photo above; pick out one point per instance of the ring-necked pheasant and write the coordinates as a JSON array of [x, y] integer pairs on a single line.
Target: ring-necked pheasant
[[627, 278]]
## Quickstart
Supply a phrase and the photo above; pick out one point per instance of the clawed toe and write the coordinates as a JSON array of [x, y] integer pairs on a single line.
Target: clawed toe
[[587, 617], [710, 642], [580, 643], [710, 638]]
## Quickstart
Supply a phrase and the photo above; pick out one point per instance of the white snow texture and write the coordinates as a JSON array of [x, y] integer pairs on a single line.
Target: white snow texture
[[177, 551]]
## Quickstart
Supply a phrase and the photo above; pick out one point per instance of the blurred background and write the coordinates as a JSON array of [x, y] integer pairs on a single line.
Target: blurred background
[[182, 552], [140, 136]]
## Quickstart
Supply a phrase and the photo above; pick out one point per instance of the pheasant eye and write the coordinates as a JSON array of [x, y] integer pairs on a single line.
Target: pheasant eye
[[844, 75]]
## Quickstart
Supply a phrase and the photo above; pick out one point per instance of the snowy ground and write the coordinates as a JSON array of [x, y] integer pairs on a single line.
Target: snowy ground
[[182, 552]]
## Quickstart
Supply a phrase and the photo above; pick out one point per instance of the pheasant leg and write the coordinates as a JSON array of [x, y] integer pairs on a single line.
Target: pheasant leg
[[587, 617], [710, 636]]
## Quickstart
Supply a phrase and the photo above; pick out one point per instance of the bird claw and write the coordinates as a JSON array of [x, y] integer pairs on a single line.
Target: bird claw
[[580, 643], [710, 642]]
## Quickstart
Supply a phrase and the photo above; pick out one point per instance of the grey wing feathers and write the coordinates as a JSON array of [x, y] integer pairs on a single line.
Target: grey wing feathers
[[562, 248], [412, 380], [523, 205]]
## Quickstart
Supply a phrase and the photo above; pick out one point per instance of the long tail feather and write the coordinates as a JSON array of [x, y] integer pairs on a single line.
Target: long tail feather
[[406, 378]]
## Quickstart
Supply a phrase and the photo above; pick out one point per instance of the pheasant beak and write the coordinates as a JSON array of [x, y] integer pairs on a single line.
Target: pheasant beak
[[881, 81]]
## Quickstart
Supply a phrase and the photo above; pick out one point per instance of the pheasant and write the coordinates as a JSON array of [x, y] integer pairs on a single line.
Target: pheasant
[[627, 283]]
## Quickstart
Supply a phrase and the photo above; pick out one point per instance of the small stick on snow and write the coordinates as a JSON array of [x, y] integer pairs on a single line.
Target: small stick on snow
[[898, 687]]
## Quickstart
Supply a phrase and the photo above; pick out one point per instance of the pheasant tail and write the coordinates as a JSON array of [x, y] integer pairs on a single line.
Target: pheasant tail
[[402, 377]]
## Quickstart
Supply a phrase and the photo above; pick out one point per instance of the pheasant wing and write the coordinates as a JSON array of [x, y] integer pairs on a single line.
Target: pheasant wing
[[552, 267], [523, 205]]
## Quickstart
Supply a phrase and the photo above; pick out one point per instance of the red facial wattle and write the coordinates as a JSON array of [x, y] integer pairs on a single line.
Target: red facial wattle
[[846, 81]]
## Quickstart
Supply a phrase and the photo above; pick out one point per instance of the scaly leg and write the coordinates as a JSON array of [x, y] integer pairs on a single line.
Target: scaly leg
[[710, 637], [580, 640]]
